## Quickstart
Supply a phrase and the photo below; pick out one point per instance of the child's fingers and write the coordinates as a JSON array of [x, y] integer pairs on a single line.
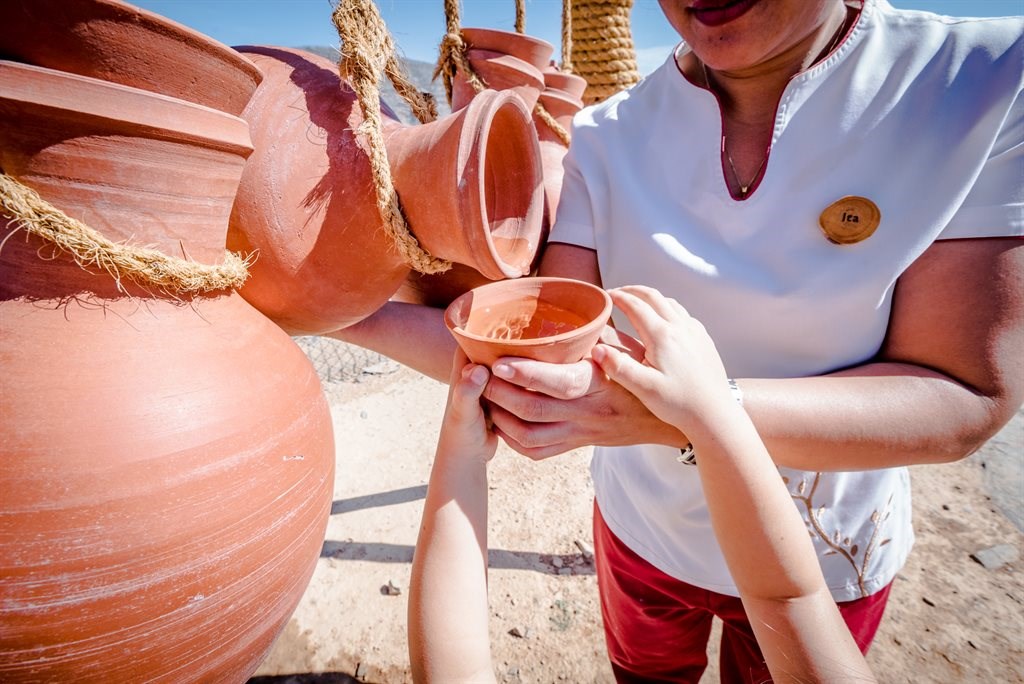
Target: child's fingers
[[645, 320], [666, 307], [621, 368], [470, 386], [459, 361], [464, 404]]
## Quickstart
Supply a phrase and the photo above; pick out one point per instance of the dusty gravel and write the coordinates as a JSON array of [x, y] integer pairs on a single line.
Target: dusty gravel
[[949, 619]]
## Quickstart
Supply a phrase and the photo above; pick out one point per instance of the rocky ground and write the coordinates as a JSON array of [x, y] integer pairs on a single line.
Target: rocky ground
[[956, 613]]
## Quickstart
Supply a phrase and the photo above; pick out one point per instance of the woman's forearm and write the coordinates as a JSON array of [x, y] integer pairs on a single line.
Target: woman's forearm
[[412, 334], [873, 416]]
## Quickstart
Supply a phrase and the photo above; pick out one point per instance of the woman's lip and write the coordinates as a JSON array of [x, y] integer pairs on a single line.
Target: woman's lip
[[712, 13]]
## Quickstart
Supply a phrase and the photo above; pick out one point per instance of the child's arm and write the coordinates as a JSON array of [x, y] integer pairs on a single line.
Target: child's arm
[[762, 536], [448, 631]]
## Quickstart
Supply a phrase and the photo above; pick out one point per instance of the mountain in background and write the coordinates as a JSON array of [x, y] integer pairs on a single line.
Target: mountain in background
[[420, 73]]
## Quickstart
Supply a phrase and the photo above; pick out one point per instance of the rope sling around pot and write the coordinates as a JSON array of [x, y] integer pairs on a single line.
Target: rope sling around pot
[[143, 266], [367, 52]]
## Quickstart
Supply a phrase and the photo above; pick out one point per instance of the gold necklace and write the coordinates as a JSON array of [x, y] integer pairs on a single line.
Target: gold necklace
[[745, 187]]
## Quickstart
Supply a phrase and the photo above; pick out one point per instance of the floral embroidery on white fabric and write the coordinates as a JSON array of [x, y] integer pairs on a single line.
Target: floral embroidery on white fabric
[[839, 543]]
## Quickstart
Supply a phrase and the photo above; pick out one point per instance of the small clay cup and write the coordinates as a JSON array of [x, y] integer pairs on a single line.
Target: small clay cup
[[557, 320]]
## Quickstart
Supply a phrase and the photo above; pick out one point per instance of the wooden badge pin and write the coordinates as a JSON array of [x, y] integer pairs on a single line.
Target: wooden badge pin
[[850, 220]]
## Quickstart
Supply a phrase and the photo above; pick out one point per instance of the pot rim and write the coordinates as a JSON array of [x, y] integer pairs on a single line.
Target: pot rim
[[531, 50], [154, 115], [488, 259], [79, 52]]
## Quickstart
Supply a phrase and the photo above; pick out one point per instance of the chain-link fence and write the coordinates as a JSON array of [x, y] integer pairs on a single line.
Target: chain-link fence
[[339, 363]]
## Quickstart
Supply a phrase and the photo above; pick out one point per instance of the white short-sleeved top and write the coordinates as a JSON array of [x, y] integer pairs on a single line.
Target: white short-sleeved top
[[919, 113]]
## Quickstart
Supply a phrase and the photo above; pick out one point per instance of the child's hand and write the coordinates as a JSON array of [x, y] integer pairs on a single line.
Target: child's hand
[[465, 431], [681, 379]]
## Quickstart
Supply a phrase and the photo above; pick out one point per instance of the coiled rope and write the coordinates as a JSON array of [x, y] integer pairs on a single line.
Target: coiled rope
[[602, 47]]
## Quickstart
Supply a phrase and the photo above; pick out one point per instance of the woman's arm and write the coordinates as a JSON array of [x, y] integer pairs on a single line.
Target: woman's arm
[[948, 377], [762, 536], [412, 334], [448, 632]]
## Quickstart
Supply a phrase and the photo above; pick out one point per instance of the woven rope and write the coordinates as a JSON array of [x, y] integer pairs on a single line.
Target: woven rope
[[367, 52], [520, 16], [452, 53], [567, 36], [545, 116], [90, 249], [602, 47]]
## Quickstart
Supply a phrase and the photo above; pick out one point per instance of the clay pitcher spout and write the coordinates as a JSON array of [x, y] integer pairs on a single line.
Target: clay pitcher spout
[[471, 185]]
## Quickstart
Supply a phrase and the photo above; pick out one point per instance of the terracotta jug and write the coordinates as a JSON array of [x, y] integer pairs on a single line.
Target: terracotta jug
[[469, 184], [168, 460], [557, 320], [499, 71], [506, 61], [115, 41], [571, 84], [531, 50], [562, 107]]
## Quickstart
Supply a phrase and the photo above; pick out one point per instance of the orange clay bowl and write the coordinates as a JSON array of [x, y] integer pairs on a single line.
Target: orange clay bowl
[[557, 320]]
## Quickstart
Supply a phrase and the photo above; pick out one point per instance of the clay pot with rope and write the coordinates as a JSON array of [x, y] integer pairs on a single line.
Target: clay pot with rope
[[533, 51], [500, 71], [114, 41], [168, 452], [565, 82], [469, 185], [560, 106]]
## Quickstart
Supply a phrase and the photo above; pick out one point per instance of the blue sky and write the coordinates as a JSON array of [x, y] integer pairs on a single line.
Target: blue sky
[[417, 25]]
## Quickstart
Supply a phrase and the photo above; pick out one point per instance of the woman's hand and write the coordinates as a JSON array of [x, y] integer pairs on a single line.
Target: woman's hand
[[680, 378], [465, 431], [543, 409]]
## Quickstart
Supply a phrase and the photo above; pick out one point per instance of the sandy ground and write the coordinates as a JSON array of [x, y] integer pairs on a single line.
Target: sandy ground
[[949, 619]]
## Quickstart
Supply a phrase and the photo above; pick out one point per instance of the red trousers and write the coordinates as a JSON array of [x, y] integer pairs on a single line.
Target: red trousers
[[657, 627]]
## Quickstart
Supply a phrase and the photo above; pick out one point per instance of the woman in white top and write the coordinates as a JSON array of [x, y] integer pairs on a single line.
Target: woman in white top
[[889, 337]]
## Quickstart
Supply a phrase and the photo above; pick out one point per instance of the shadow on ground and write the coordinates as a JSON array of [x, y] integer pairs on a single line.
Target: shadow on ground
[[321, 678]]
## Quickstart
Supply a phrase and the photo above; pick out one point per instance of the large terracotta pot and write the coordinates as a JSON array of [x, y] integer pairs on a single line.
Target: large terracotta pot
[[117, 42], [469, 184], [167, 463]]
